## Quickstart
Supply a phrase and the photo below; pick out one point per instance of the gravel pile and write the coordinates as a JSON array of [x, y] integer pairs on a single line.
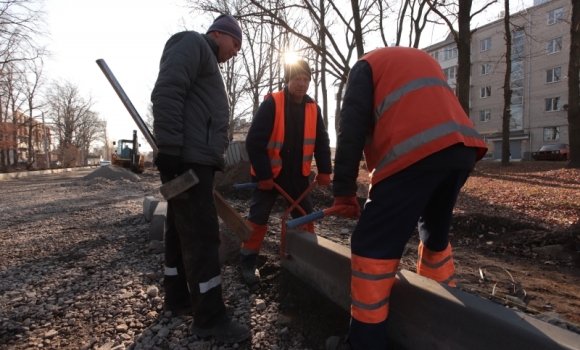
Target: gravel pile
[[78, 272], [112, 172]]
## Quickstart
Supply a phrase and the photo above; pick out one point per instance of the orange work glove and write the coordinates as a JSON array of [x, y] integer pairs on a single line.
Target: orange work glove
[[323, 179], [352, 211], [266, 184]]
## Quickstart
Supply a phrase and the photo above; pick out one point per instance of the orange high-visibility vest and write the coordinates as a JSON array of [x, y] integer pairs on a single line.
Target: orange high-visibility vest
[[415, 112], [276, 141]]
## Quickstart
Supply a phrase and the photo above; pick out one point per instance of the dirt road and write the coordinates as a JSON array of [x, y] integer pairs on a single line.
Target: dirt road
[[77, 270]]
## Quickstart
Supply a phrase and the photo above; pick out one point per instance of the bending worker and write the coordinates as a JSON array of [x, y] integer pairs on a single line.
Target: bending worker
[[419, 148], [191, 116], [286, 133]]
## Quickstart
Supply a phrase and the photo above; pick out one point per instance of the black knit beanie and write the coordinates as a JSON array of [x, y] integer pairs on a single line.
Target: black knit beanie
[[293, 69], [226, 24]]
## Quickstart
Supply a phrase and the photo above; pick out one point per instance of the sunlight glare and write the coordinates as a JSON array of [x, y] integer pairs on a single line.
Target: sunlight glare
[[290, 57]]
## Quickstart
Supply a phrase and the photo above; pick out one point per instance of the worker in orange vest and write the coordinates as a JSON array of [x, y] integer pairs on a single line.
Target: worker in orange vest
[[419, 148], [287, 132]]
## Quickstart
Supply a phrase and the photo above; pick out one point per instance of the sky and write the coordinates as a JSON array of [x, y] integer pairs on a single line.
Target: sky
[[130, 35]]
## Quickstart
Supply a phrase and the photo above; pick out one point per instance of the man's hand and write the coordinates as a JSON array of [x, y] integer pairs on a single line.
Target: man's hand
[[266, 184], [352, 211], [168, 165], [323, 179]]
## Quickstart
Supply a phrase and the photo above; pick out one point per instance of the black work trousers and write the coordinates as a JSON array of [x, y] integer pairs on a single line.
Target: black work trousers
[[191, 246], [263, 201]]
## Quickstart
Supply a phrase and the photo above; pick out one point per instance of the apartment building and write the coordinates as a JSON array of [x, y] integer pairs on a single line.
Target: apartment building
[[14, 138], [539, 62]]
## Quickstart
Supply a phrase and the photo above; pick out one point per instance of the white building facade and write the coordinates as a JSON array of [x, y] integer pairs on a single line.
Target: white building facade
[[540, 54]]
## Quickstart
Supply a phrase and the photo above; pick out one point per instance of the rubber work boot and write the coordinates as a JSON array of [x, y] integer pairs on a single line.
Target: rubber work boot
[[227, 332], [337, 343], [251, 274]]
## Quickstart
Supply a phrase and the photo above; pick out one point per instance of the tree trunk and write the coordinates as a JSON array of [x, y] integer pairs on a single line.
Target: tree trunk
[[573, 88], [464, 54], [507, 91], [323, 65], [360, 50]]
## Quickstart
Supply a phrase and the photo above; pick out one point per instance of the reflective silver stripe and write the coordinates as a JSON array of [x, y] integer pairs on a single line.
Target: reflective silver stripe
[[413, 85], [423, 138], [370, 306], [307, 158], [373, 277], [309, 141], [245, 251], [214, 282], [170, 271], [276, 162], [447, 281], [274, 144], [436, 265]]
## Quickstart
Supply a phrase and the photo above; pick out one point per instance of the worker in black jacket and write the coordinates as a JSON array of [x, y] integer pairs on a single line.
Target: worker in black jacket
[[287, 132], [191, 115]]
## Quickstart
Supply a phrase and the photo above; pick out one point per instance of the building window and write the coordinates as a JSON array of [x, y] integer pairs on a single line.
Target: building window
[[555, 16], [450, 52], [554, 75], [552, 104], [485, 92], [554, 46], [486, 44], [485, 68], [484, 116], [552, 134], [450, 72], [435, 55]]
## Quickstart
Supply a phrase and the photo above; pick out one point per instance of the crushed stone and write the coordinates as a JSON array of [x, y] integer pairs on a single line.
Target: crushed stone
[[112, 172]]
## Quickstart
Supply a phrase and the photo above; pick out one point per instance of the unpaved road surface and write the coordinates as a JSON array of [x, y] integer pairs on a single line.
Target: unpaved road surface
[[77, 270]]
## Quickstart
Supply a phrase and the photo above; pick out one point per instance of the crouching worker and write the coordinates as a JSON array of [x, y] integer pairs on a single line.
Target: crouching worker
[[419, 147], [286, 133]]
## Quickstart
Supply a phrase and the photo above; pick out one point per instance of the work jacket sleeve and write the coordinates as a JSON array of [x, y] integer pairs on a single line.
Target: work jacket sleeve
[[258, 138], [322, 146], [178, 70], [355, 120]]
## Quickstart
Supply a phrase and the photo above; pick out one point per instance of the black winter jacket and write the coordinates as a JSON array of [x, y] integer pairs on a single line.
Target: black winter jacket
[[190, 102]]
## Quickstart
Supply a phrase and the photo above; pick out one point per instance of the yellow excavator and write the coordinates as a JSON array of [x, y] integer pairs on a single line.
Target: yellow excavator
[[127, 155]]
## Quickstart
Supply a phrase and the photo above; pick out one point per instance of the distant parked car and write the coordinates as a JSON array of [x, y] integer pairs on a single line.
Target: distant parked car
[[105, 162], [558, 151]]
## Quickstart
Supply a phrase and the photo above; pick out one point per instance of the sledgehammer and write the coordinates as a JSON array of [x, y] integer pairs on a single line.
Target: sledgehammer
[[171, 188]]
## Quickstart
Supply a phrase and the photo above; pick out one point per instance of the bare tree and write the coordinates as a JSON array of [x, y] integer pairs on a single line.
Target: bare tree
[[15, 100], [414, 13], [507, 91], [460, 12], [21, 22], [89, 127], [257, 59], [32, 79], [70, 113], [574, 88], [233, 82]]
